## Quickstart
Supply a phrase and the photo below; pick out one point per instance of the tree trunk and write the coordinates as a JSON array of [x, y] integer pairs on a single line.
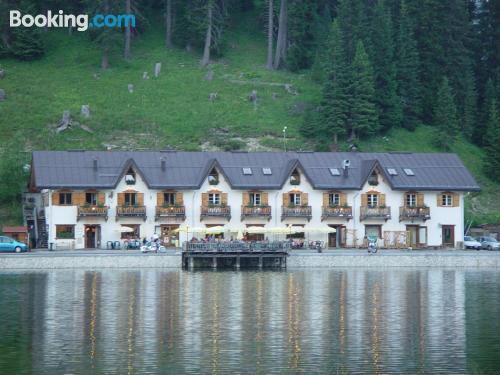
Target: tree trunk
[[168, 25], [270, 26], [105, 58], [128, 31], [208, 38], [280, 56]]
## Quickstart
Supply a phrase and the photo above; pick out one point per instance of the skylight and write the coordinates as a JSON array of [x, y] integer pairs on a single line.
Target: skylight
[[392, 171], [267, 171], [247, 171], [335, 171], [409, 172]]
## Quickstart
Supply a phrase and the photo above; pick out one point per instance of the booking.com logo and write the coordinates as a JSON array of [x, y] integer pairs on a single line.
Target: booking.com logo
[[80, 21]]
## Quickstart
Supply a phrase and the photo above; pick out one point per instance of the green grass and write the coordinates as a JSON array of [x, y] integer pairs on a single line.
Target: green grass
[[173, 111]]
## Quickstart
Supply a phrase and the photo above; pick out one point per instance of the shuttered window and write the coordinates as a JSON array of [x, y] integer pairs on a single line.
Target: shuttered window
[[255, 199], [334, 199], [446, 200], [169, 198], [65, 198], [372, 200], [294, 199], [411, 200], [91, 198], [130, 199], [214, 199]]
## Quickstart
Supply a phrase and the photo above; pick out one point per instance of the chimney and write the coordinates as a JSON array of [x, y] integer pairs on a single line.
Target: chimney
[[163, 164], [94, 163], [345, 165]]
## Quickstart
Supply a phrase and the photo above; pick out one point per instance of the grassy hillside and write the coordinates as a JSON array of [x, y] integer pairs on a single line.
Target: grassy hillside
[[173, 111]]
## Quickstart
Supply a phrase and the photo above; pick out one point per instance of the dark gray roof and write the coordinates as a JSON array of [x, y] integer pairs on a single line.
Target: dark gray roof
[[75, 169]]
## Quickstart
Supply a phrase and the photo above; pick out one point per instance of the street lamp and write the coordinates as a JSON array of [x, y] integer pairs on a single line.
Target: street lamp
[[284, 137]]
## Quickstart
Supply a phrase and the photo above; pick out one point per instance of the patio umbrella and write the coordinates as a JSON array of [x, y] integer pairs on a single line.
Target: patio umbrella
[[256, 229], [125, 230], [190, 230], [215, 230]]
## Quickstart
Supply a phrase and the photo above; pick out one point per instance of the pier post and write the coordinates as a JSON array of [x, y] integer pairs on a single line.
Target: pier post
[[238, 262], [261, 262], [214, 262], [191, 262]]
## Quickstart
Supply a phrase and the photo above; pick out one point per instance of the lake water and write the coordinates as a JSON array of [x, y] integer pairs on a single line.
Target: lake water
[[214, 322]]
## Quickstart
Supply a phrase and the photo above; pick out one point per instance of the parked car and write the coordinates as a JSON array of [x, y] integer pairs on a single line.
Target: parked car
[[489, 243], [8, 244], [153, 247], [471, 243]]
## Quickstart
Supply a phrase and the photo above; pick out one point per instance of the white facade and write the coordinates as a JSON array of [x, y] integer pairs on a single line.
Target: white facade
[[350, 232]]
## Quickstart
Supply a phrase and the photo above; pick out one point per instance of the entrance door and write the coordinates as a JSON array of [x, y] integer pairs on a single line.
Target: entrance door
[[91, 236], [169, 237], [332, 239], [448, 235], [413, 230]]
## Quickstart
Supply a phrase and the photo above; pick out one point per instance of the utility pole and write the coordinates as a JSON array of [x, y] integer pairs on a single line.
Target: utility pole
[[284, 137]]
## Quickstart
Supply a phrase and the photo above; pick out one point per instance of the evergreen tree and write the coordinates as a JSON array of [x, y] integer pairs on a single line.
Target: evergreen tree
[[363, 114], [445, 115], [407, 71], [301, 39], [381, 53], [469, 115], [335, 103], [27, 43], [492, 148]]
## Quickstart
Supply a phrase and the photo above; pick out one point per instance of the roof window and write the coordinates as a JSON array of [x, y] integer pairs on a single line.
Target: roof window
[[334, 172], [392, 171], [247, 171], [409, 172], [267, 171]]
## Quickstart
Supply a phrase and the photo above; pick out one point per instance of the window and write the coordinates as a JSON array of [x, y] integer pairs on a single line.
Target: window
[[130, 199], [91, 199], [334, 172], [255, 199], [294, 199], [65, 231], [373, 179], [372, 200], [267, 171], [65, 198], [169, 199], [213, 177], [130, 177], [247, 171], [446, 200], [392, 171], [214, 199], [135, 234], [411, 200], [295, 178], [334, 199], [409, 172]]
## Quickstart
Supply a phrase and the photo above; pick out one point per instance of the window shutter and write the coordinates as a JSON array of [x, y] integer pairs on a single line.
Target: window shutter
[[440, 200], [285, 199], [140, 199], [179, 198], [78, 198], [265, 199], [246, 198], [326, 199], [55, 198], [204, 199], [364, 200], [121, 199], [455, 199], [160, 199], [223, 198], [304, 199], [101, 198], [420, 199], [343, 199], [381, 200]]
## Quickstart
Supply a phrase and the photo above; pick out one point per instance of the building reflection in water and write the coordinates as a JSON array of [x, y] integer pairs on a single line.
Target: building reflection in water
[[206, 321]]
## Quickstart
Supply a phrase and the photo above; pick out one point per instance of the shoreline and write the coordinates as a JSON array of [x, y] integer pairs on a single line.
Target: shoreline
[[97, 259]]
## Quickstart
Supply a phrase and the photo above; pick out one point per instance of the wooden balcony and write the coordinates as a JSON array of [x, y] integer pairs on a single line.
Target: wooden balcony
[[223, 212], [175, 212], [131, 211], [414, 213], [304, 212], [92, 211], [263, 212], [336, 212], [375, 213]]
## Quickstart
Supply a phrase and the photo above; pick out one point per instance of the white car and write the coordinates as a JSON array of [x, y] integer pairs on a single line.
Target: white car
[[471, 243]]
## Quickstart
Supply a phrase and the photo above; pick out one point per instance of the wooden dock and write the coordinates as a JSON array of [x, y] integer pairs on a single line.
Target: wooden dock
[[235, 254]]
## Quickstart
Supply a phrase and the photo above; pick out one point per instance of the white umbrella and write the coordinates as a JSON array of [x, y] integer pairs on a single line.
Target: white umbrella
[[256, 229], [125, 229], [215, 230], [190, 230]]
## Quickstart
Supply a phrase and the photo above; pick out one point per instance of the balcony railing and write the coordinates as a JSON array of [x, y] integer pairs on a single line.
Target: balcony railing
[[296, 211], [216, 211], [383, 213], [256, 211], [176, 212], [414, 213], [92, 211], [131, 211], [337, 212]]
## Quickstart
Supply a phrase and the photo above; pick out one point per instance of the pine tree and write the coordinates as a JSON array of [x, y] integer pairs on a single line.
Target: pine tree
[[301, 38], [381, 54], [492, 148], [27, 44], [335, 104], [445, 116], [363, 117], [407, 71], [469, 115]]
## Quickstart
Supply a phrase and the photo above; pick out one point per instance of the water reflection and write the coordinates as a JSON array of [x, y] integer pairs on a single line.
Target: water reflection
[[311, 321]]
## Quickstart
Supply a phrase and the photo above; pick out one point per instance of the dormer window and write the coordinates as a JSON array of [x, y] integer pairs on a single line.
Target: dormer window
[[295, 178], [213, 177], [130, 177], [373, 179]]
